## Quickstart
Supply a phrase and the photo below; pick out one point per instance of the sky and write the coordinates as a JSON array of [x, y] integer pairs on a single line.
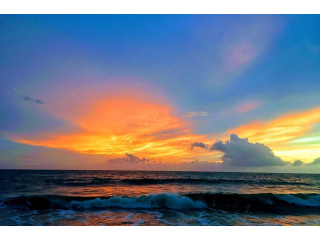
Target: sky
[[160, 92]]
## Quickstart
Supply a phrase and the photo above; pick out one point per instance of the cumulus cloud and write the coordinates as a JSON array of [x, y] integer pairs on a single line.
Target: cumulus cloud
[[128, 158], [240, 152], [297, 163], [27, 98], [200, 145], [196, 114]]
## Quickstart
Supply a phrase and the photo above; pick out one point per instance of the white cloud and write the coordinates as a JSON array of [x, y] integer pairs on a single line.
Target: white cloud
[[196, 114]]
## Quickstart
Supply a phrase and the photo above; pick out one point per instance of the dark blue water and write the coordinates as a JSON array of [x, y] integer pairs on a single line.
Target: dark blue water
[[30, 197]]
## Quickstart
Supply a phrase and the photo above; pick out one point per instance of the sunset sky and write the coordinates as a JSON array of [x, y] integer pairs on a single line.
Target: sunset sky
[[160, 92]]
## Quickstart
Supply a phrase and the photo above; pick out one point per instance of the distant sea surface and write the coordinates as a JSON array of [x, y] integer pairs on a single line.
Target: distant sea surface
[[43, 197]]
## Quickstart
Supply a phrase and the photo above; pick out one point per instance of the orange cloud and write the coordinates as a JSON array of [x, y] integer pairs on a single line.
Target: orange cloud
[[279, 132], [281, 129], [122, 123]]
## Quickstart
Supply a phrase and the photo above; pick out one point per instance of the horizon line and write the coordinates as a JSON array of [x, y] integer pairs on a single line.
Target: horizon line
[[128, 170]]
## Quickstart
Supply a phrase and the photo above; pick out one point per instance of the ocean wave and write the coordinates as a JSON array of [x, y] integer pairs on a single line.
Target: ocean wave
[[151, 181], [263, 202], [266, 202]]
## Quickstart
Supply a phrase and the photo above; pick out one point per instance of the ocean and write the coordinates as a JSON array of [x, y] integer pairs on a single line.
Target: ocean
[[147, 198]]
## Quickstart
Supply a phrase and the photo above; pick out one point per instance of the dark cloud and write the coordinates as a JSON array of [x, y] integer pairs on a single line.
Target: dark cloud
[[199, 144], [300, 163], [240, 152], [129, 158], [297, 163], [38, 101], [27, 98]]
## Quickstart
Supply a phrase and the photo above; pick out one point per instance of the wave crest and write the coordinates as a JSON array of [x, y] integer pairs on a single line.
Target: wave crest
[[164, 200], [266, 202]]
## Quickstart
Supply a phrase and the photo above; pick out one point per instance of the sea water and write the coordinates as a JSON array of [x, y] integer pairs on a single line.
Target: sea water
[[54, 197]]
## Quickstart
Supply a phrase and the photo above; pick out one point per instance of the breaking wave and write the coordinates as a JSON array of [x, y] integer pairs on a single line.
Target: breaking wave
[[267, 202]]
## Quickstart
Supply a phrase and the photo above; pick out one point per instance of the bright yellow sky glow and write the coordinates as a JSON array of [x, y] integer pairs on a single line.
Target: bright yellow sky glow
[[125, 124], [281, 133]]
